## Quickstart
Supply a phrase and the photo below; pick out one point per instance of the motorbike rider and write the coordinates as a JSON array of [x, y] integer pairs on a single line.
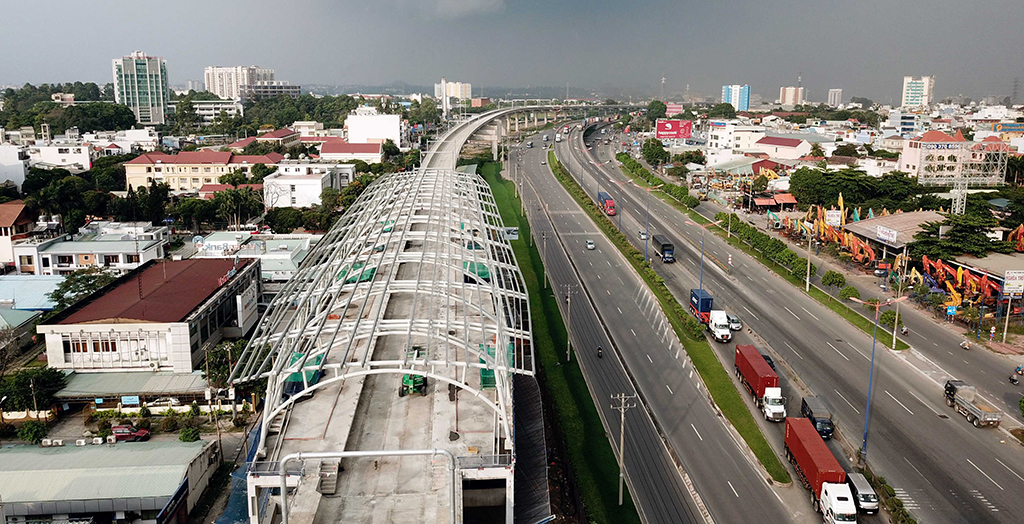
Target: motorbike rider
[[599, 352]]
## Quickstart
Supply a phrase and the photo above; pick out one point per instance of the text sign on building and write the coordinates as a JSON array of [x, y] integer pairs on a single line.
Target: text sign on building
[[833, 217], [940, 146], [511, 233], [1008, 127], [132, 400], [884, 234], [666, 129], [247, 312], [1013, 282]]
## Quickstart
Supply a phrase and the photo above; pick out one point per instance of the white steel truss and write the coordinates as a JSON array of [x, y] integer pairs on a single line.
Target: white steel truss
[[420, 256]]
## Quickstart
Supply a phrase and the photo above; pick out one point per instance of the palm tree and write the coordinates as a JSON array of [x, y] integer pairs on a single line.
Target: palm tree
[[816, 150]]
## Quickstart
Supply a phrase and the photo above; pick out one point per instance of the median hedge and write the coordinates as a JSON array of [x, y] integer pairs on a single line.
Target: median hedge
[[772, 248], [687, 329], [676, 191]]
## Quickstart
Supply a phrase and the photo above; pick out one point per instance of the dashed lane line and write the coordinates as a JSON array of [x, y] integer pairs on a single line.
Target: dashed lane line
[[791, 312], [986, 474], [837, 351], [847, 401], [697, 432], [898, 402]]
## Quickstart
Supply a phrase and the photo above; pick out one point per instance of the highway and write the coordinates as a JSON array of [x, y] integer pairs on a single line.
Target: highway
[[727, 477], [944, 469], [655, 483]]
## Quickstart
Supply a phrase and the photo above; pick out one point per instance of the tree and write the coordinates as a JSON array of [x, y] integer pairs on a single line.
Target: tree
[[655, 110], [866, 103], [329, 198], [610, 102], [816, 150], [32, 387], [966, 235], [259, 172], [723, 110], [220, 359], [389, 149], [78, 285], [888, 318], [189, 435], [848, 292], [237, 205], [283, 219], [654, 152], [193, 212], [234, 178], [33, 431], [760, 184], [846, 150], [833, 279]]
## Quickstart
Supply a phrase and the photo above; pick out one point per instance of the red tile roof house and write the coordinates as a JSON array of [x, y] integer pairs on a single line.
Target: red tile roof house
[[208, 191], [16, 222], [188, 171], [283, 137], [784, 148]]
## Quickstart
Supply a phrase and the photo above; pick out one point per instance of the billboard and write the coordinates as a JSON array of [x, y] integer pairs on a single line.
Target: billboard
[[673, 109], [833, 217], [1004, 127], [884, 234], [1013, 283], [247, 312], [673, 128]]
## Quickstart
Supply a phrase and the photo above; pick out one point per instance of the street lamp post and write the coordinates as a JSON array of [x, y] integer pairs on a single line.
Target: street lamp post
[[647, 225], [871, 373], [703, 229]]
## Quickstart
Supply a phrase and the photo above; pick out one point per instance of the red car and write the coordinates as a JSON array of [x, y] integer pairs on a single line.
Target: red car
[[130, 433]]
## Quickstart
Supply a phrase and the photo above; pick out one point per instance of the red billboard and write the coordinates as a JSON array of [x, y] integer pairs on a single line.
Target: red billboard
[[673, 109], [673, 128]]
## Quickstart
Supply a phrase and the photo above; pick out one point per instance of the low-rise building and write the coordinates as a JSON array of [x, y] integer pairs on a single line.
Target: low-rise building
[[892, 143], [160, 317], [299, 183], [156, 482], [16, 223], [118, 246], [344, 151], [13, 163], [731, 134], [283, 137], [190, 170], [129, 140], [209, 110], [209, 191], [269, 89], [784, 148], [937, 158], [371, 129], [280, 254], [71, 155]]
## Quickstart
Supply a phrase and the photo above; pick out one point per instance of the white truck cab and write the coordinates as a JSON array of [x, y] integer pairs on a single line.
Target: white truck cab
[[773, 405], [837, 503], [718, 325]]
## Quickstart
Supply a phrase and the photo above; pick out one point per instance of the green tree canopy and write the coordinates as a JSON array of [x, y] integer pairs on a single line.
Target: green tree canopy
[[654, 152], [966, 235], [723, 110], [78, 285], [656, 109]]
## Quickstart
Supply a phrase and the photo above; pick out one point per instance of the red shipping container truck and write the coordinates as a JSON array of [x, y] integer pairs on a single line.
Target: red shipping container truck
[[815, 464], [754, 370]]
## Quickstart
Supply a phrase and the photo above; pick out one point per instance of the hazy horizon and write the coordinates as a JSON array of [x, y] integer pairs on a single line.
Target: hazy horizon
[[864, 47]]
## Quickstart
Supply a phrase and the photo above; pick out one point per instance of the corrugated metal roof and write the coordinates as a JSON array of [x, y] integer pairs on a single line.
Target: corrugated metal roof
[[92, 385], [29, 291], [14, 318], [127, 470]]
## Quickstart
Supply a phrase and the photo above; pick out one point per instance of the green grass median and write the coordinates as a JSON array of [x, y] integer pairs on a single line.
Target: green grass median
[[591, 458], [686, 328]]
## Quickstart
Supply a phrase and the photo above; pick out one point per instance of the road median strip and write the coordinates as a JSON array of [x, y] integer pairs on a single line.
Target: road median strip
[[591, 458], [687, 329]]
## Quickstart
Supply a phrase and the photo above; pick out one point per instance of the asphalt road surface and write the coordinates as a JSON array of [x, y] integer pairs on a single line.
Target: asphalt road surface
[[944, 469]]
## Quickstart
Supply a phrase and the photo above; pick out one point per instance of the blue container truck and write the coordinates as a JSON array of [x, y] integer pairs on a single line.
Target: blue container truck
[[701, 304]]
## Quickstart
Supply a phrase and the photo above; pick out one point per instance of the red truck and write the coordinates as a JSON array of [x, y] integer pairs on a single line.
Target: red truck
[[130, 433], [604, 200], [819, 470], [760, 380]]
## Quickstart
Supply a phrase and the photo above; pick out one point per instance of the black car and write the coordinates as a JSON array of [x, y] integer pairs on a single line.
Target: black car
[[770, 362]]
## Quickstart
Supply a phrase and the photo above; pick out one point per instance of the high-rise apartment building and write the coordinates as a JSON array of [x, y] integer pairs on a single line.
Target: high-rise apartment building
[[460, 90], [231, 82], [791, 96], [737, 95], [140, 82], [835, 97], [918, 92]]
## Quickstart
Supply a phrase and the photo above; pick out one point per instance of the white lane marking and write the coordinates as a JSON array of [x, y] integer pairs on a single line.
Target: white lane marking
[[791, 313], [609, 292], [837, 351], [620, 311], [620, 280], [669, 390], [733, 489], [697, 432], [633, 332], [765, 279], [913, 466], [599, 277], [791, 349], [591, 263], [1010, 470], [691, 373], [750, 313], [898, 402], [923, 402], [847, 401], [748, 278], [649, 359], [986, 474], [809, 313], [609, 263]]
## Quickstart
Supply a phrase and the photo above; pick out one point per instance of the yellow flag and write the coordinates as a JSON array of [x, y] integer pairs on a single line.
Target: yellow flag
[[960, 276]]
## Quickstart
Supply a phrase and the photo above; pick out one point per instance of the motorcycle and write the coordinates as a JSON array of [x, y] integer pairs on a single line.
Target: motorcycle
[[965, 345], [599, 352]]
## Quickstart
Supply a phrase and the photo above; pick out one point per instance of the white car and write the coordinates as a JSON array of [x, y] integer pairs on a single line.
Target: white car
[[642, 234], [163, 402], [590, 245]]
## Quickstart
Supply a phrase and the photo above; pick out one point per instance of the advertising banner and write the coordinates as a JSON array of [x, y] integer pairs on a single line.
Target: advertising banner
[[673, 129], [833, 217], [1013, 282], [247, 313], [884, 234]]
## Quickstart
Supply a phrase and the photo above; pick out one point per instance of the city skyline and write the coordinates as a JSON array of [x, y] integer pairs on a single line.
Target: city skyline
[[553, 45]]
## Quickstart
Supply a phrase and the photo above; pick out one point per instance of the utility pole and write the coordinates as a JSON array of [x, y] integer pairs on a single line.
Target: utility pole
[[622, 407], [899, 291], [35, 405], [570, 289], [544, 249]]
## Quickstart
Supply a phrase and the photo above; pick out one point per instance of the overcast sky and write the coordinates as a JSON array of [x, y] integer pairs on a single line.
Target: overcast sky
[[863, 46]]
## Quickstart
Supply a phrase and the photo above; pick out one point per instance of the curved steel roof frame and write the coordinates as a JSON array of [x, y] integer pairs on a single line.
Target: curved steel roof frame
[[420, 257]]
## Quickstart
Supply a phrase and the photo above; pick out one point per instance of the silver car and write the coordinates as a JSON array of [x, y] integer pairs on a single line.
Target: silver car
[[734, 322]]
